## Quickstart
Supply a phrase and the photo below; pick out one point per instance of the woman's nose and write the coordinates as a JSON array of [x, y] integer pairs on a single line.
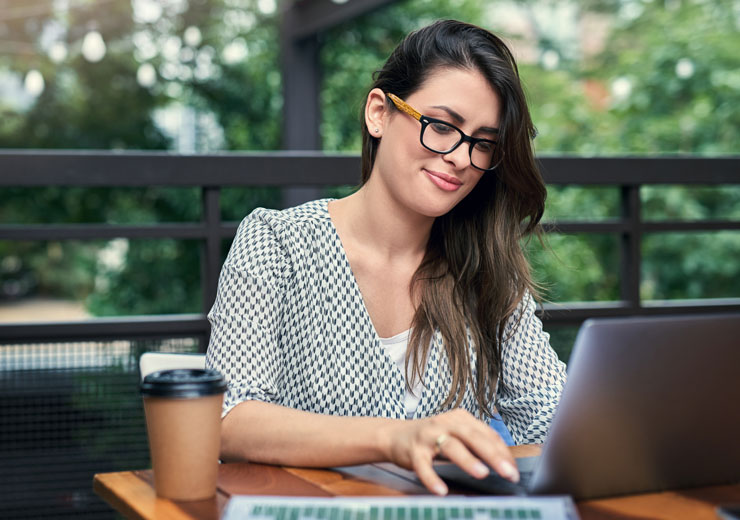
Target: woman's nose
[[460, 156]]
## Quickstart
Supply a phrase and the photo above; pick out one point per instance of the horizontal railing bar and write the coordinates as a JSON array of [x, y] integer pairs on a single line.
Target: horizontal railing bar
[[123, 328], [23, 232], [575, 313], [228, 229], [616, 226], [287, 168], [126, 169], [636, 171]]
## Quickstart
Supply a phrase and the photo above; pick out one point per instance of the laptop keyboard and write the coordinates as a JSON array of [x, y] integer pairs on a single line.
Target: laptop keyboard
[[406, 512], [400, 508]]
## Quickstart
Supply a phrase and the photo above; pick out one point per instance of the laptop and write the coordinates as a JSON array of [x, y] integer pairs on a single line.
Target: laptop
[[651, 403]]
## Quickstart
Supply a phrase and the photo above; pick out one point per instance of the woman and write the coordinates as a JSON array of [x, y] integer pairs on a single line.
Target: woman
[[384, 326]]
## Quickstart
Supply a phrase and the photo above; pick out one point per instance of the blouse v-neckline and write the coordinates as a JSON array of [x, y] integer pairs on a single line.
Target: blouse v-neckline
[[377, 339], [345, 260]]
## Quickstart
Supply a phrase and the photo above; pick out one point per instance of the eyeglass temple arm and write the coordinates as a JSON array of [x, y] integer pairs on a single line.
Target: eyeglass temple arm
[[401, 104]]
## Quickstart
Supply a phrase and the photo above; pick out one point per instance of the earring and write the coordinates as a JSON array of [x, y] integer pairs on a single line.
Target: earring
[[377, 130]]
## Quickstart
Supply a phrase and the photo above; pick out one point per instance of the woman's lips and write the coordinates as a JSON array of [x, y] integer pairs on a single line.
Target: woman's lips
[[444, 181]]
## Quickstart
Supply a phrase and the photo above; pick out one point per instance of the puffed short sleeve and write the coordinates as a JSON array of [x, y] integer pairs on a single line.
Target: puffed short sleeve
[[248, 311], [532, 376]]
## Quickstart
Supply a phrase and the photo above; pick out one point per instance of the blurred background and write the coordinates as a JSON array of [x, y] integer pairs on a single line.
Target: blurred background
[[604, 78]]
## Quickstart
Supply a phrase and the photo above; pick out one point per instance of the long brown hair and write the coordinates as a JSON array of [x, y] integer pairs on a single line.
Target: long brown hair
[[474, 272]]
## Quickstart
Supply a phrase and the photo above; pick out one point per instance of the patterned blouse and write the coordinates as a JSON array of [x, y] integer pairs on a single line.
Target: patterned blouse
[[289, 326]]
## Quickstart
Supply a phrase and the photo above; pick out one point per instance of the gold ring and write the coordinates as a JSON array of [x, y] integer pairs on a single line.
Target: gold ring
[[440, 442]]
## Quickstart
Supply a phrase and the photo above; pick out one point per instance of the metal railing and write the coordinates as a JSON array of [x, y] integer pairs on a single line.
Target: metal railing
[[69, 403], [211, 173]]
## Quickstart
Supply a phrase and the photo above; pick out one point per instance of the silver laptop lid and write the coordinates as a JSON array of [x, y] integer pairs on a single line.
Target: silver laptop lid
[[650, 403]]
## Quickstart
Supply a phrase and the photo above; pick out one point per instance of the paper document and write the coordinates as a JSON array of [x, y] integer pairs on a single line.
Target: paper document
[[401, 508]]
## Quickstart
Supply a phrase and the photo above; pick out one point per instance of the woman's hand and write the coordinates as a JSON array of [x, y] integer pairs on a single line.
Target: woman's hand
[[296, 438], [459, 437]]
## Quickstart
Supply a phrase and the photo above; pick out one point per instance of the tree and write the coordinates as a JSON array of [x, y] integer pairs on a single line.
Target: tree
[[352, 51], [661, 78], [108, 103]]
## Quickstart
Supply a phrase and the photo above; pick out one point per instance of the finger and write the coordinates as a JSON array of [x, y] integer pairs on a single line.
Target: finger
[[458, 453], [497, 455], [484, 442], [427, 475], [501, 458], [507, 469]]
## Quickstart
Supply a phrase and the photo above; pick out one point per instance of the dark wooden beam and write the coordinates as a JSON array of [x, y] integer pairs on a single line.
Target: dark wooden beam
[[574, 313], [301, 85], [315, 168], [300, 25], [641, 170], [310, 17], [301, 111], [145, 169], [301, 74], [129, 327]]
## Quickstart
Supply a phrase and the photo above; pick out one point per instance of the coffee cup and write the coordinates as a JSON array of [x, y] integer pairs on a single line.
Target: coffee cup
[[183, 420]]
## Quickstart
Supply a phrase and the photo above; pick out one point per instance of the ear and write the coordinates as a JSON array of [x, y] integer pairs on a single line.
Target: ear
[[376, 112]]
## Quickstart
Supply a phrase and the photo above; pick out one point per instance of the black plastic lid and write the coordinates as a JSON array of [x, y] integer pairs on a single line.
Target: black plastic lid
[[183, 383]]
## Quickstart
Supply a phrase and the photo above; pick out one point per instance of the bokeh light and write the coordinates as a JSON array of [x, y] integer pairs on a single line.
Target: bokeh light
[[34, 82], [93, 47]]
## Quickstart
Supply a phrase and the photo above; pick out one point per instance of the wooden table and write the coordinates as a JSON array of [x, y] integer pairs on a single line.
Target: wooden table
[[132, 492]]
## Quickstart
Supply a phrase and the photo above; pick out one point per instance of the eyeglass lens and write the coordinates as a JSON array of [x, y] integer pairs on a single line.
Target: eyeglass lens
[[443, 138]]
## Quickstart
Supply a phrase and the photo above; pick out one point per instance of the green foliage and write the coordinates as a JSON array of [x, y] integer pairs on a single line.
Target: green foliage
[[83, 105], [681, 61], [158, 277], [691, 202], [238, 202], [691, 265], [47, 268], [562, 339], [61, 205], [369, 40], [101, 105], [74, 269], [247, 97], [581, 203], [565, 121], [663, 80], [576, 267]]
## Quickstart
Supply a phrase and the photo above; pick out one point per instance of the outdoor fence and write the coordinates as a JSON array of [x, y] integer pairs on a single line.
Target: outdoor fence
[[69, 391]]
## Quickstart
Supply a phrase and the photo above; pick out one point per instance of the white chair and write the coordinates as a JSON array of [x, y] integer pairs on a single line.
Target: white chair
[[152, 361]]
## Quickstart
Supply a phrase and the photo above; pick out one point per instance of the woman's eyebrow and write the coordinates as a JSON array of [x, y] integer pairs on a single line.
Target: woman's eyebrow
[[459, 120]]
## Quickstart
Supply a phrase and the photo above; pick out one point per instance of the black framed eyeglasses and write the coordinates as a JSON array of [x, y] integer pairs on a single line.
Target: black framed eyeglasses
[[442, 137]]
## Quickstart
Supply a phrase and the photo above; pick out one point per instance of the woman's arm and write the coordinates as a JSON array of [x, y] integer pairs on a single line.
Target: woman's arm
[[273, 434]]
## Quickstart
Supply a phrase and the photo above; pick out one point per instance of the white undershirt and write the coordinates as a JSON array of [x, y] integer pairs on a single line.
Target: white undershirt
[[396, 347]]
